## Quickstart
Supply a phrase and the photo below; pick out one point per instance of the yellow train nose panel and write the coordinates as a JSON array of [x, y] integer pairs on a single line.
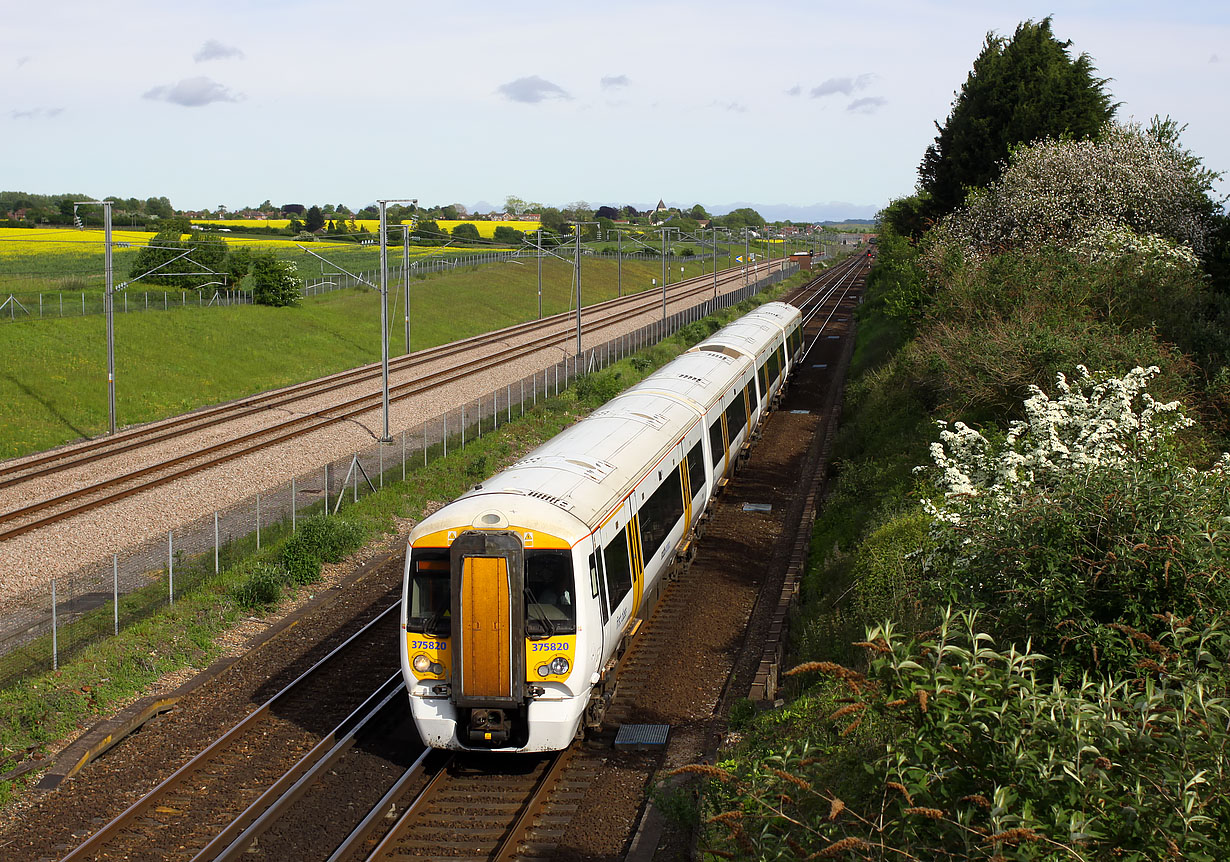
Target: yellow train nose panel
[[486, 659]]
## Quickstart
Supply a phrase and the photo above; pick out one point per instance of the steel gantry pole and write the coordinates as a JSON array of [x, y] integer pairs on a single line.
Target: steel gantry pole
[[577, 238], [538, 245], [405, 270], [664, 273], [715, 264], [384, 314], [384, 321], [108, 304], [619, 262]]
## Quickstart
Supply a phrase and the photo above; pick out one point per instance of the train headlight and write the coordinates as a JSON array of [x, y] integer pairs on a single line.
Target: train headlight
[[560, 665], [421, 663], [544, 670]]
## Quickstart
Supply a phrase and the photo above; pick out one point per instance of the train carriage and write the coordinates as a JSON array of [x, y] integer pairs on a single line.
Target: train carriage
[[519, 593]]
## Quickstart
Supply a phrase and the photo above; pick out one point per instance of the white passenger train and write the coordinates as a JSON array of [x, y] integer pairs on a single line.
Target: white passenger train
[[519, 594]]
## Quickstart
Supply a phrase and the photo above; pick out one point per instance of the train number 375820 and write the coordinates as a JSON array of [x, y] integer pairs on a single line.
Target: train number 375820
[[549, 647]]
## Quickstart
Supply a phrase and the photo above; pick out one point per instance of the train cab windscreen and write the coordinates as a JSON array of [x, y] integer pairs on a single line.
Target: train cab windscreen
[[550, 594], [429, 592]]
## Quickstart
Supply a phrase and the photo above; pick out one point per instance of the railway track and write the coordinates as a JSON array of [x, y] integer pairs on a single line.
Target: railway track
[[367, 790], [284, 736], [24, 480]]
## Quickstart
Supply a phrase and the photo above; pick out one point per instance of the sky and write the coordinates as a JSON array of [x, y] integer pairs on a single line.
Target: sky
[[795, 103]]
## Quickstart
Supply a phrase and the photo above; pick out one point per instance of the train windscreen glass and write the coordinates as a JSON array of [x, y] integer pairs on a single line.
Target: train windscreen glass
[[550, 594], [429, 592]]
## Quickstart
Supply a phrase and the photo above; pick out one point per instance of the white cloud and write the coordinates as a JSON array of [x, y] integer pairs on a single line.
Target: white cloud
[[36, 114], [615, 81], [193, 93], [845, 86], [869, 105], [532, 90], [215, 50]]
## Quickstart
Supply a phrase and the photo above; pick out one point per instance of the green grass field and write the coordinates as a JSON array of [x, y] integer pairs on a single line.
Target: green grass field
[[53, 382]]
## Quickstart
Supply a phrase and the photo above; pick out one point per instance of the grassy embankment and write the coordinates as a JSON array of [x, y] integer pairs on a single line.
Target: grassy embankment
[[38, 711], [53, 382], [1071, 712]]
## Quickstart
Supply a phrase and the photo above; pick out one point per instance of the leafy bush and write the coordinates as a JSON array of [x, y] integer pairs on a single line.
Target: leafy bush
[[599, 387], [331, 537], [275, 282], [261, 585], [989, 760], [1082, 516], [1058, 192], [302, 560]]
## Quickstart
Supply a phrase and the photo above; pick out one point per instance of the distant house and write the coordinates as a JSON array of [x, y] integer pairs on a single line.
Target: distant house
[[661, 207]]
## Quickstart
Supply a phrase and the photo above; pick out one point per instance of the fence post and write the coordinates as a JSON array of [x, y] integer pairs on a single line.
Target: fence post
[[115, 589], [403, 450], [326, 489], [216, 550], [380, 448], [293, 489], [445, 438], [55, 643], [258, 522], [170, 569], [508, 400], [463, 427], [356, 477]]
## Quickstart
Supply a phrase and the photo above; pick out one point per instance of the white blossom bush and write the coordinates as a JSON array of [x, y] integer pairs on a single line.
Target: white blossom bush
[[1096, 422], [1059, 193], [1144, 252], [275, 281], [1082, 516]]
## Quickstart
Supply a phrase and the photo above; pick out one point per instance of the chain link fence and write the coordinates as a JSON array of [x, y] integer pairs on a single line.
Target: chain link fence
[[46, 630]]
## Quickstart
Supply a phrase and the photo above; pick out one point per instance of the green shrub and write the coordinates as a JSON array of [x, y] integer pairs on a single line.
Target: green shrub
[[990, 760], [333, 538], [261, 585], [302, 561], [600, 387]]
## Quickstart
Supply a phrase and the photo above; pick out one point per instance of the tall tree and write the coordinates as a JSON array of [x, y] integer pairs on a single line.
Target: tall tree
[[1020, 90], [315, 219]]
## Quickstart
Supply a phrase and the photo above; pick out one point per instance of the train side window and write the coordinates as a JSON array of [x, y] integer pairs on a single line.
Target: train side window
[[764, 381], [659, 514], [696, 469], [715, 442], [736, 417], [618, 568]]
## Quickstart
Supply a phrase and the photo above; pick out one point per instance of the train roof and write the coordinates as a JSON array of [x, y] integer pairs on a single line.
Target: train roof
[[750, 334], [589, 468]]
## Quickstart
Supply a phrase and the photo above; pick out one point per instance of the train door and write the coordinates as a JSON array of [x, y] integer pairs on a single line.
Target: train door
[[489, 596]]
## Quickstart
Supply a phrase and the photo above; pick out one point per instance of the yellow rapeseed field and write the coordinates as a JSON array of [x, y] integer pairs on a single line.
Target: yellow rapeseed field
[[23, 241], [486, 229]]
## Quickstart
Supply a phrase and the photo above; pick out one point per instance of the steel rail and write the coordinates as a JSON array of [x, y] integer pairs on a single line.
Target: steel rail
[[99, 838], [233, 841], [280, 432], [67, 457]]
